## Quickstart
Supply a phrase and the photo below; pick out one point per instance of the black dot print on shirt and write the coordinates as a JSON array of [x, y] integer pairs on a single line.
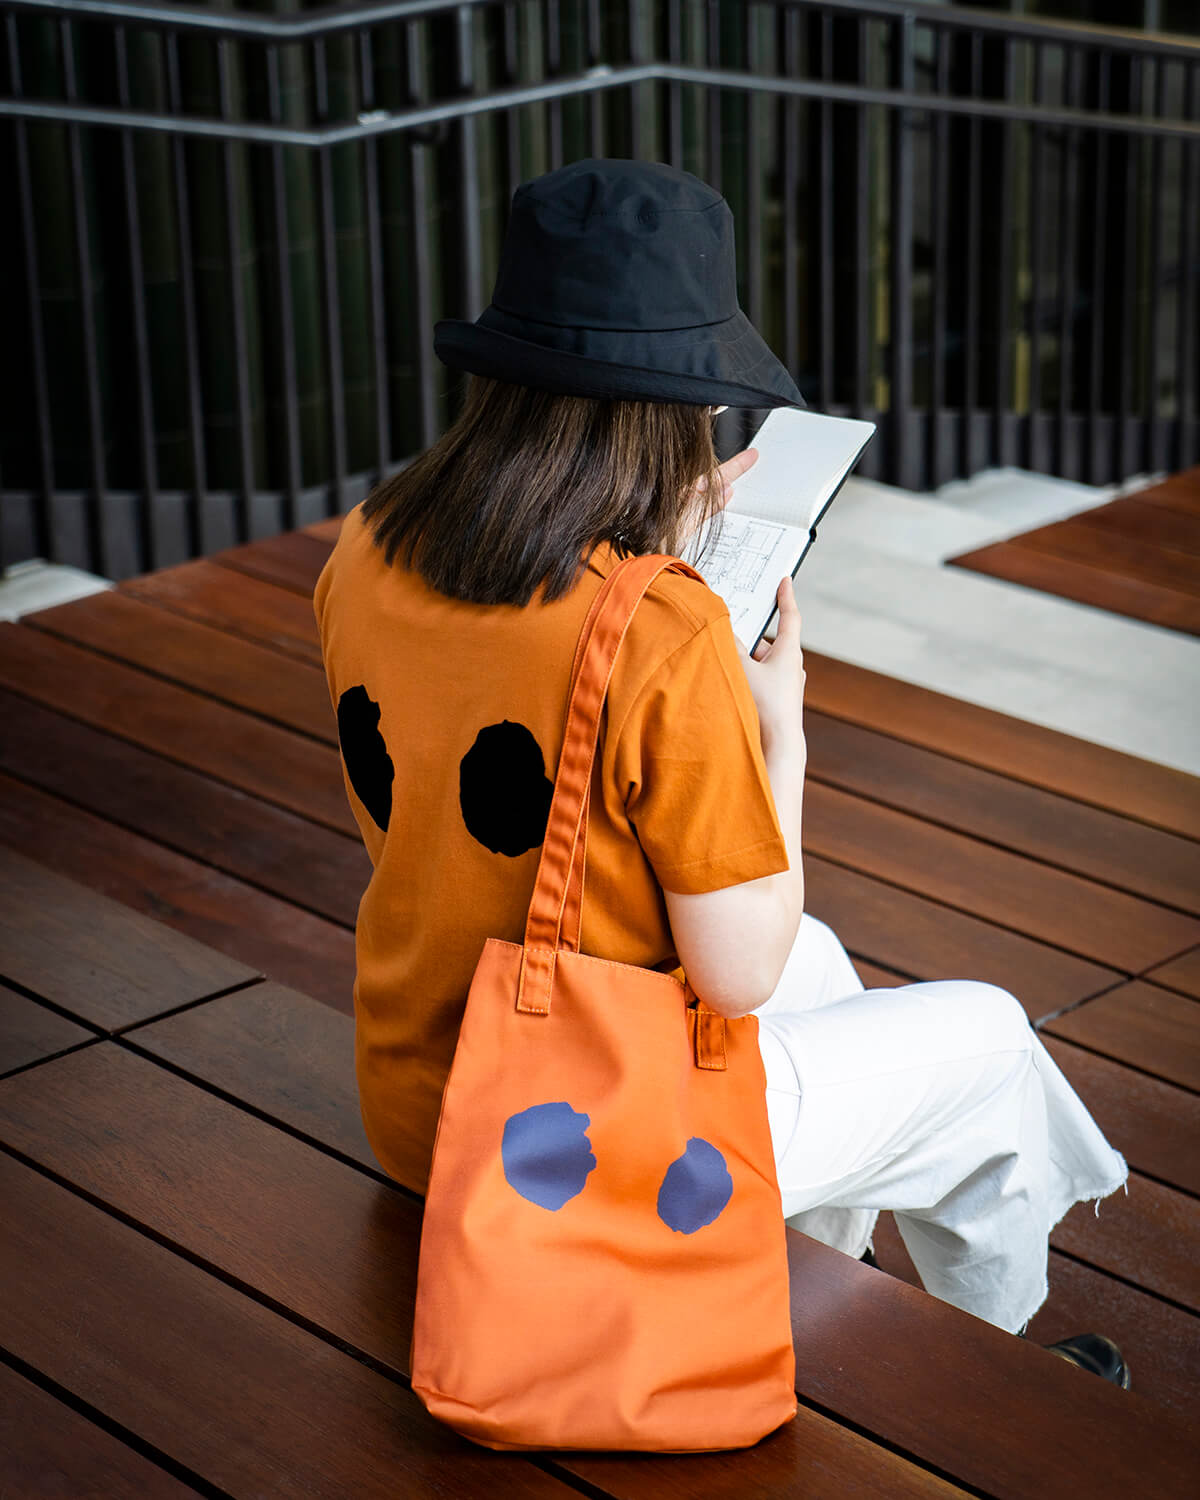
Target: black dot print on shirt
[[368, 764], [503, 789]]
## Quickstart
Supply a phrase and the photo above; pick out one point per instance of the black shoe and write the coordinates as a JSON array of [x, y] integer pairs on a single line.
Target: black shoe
[[1092, 1351]]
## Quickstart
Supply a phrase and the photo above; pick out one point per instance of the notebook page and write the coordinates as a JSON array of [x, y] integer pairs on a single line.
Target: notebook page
[[744, 565], [802, 458]]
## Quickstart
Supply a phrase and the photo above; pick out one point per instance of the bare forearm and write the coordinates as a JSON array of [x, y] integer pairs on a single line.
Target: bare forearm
[[786, 758]]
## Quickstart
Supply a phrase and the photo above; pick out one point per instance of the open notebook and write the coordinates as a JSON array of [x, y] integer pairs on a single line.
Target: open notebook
[[771, 521]]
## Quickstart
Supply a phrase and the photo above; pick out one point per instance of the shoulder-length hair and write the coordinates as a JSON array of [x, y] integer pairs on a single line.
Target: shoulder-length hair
[[525, 485]]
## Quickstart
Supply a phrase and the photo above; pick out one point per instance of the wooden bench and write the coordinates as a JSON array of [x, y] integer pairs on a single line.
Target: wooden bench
[[216, 1279]]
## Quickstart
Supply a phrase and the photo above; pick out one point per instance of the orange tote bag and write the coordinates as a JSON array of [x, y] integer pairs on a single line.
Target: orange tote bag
[[603, 1258]]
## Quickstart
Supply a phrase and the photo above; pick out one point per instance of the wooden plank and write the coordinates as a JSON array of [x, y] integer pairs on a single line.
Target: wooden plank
[[269, 935], [94, 957], [1147, 1237], [1139, 1023], [1179, 491], [1074, 768], [291, 560], [876, 977], [1137, 517], [1158, 1340], [1011, 814], [1154, 1125], [207, 660], [263, 759], [239, 1195], [255, 841], [1152, 603], [1112, 927], [287, 1056], [1131, 557], [325, 531], [326, 1243], [29, 1031], [250, 607], [1182, 973], [47, 1449], [911, 934], [238, 1395]]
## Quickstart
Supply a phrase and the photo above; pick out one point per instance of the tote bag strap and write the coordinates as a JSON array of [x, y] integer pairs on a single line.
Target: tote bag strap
[[600, 639]]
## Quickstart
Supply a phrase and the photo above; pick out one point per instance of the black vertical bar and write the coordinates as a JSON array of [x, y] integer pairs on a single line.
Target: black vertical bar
[[1067, 460], [941, 197], [191, 340], [714, 97], [864, 403], [101, 545], [1154, 450], [1000, 446], [468, 170], [1189, 273], [1097, 469], [791, 191], [244, 505], [283, 275], [152, 554], [553, 69], [636, 91], [1125, 458], [825, 211], [754, 196], [378, 314], [1032, 447], [971, 323], [901, 194], [674, 101], [329, 284], [596, 100], [44, 538], [512, 117], [423, 313]]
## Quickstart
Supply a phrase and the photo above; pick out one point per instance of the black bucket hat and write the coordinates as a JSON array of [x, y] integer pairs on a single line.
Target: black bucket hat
[[618, 280]]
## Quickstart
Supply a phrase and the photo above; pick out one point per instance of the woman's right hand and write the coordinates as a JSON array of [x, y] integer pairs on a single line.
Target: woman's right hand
[[775, 673]]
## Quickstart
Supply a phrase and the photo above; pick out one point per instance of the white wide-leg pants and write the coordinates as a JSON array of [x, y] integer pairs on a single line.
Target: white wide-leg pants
[[938, 1102]]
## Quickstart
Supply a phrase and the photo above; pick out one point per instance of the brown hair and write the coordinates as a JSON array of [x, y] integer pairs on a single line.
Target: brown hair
[[525, 484]]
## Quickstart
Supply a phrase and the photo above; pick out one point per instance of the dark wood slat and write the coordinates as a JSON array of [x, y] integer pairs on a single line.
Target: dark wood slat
[[272, 936], [1179, 491], [275, 1049], [29, 1031], [916, 936], [1044, 825], [1154, 1125], [207, 660], [1182, 973], [236, 1393], [326, 531], [875, 977], [322, 871], [1075, 768], [94, 957], [1095, 921], [1147, 1237], [1143, 1024], [292, 560], [239, 1194], [1071, 579], [1158, 1340], [263, 759], [244, 606], [1130, 557], [48, 1450], [318, 1238], [1138, 517]]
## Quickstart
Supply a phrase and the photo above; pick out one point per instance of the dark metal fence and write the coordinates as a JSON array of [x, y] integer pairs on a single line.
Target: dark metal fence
[[231, 235]]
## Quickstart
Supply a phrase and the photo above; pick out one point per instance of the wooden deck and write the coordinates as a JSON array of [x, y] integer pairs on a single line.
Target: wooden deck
[[1138, 556], [209, 1283]]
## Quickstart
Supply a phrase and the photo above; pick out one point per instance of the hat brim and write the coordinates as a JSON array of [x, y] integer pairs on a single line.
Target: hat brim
[[720, 364]]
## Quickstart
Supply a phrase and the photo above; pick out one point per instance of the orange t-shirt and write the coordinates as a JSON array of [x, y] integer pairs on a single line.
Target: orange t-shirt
[[450, 717]]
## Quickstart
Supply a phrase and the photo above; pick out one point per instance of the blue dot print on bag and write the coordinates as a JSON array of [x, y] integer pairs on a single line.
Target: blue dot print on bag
[[546, 1153], [696, 1188]]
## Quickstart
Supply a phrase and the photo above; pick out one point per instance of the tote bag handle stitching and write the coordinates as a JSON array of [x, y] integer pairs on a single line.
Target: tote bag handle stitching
[[566, 831]]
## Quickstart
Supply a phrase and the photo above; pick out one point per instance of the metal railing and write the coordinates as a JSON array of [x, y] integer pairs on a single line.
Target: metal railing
[[235, 233]]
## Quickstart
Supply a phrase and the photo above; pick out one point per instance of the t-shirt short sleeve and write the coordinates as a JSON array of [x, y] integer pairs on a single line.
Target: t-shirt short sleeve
[[689, 759]]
